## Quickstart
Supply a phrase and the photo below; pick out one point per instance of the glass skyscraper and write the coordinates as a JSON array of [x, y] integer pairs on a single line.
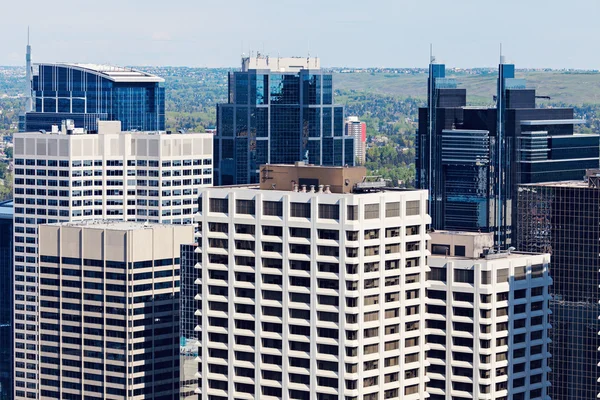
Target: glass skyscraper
[[6, 303], [86, 93], [280, 110], [563, 219], [473, 159]]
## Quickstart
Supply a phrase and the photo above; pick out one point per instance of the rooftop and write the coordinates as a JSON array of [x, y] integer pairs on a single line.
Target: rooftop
[[113, 73], [280, 64], [457, 245], [114, 225]]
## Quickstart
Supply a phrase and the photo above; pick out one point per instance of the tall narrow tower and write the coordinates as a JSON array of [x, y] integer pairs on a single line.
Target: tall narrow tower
[[28, 77]]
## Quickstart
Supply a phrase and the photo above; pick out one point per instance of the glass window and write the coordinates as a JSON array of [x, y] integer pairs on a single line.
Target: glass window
[[329, 211], [413, 207], [273, 208], [372, 211]]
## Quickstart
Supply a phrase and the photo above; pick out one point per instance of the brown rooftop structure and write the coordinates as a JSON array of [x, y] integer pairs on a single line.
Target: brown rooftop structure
[[304, 177]]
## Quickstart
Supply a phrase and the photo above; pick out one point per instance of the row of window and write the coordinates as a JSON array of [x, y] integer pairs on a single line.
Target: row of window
[[502, 274], [111, 172], [305, 233], [130, 182], [303, 210], [112, 163]]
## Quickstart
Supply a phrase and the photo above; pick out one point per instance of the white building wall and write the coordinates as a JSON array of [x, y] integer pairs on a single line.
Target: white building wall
[[351, 296], [64, 178], [509, 318]]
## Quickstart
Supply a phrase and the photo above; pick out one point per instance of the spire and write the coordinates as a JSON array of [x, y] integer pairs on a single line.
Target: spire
[[431, 56], [28, 76], [502, 60]]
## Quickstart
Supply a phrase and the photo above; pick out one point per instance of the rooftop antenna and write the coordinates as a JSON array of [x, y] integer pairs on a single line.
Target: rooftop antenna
[[28, 76], [431, 56], [501, 56]]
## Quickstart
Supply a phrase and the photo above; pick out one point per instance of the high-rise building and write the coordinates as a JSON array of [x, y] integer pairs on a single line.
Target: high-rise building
[[279, 111], [70, 176], [87, 93], [189, 335], [108, 309], [472, 159], [487, 320], [563, 219], [312, 287], [6, 300], [358, 130]]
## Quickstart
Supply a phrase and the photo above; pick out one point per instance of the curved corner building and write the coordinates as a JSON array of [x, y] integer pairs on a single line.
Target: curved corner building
[[87, 93]]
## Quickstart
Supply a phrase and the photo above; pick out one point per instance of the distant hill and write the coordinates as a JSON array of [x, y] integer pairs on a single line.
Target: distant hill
[[563, 87]]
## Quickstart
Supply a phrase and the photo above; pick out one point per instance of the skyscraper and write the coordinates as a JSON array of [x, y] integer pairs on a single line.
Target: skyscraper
[[69, 176], [279, 111], [358, 130], [188, 308], [109, 299], [313, 287], [86, 93], [6, 300], [563, 219], [487, 320], [472, 159]]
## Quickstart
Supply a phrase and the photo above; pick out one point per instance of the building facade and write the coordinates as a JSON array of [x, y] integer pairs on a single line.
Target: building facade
[[487, 320], [473, 159], [279, 111], [6, 301], [312, 290], [86, 93], [563, 219], [62, 177], [188, 306], [358, 130], [109, 310]]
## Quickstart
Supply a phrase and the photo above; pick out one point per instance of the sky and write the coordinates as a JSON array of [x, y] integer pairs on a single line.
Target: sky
[[353, 33]]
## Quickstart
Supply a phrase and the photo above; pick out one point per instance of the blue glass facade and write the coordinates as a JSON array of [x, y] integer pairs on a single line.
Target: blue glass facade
[[278, 118], [473, 159], [6, 307], [87, 93]]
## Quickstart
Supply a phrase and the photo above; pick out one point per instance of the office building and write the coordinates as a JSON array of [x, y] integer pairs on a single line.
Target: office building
[[188, 306], [472, 159], [109, 310], [312, 287], [358, 130], [487, 320], [279, 111], [6, 301], [563, 219], [86, 93], [69, 176]]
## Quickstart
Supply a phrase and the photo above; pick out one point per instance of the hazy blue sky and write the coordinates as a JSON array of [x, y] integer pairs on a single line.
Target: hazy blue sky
[[205, 33]]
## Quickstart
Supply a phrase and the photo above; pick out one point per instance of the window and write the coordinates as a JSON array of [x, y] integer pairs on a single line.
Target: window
[[520, 273], [352, 213], [273, 208], [502, 275], [329, 211], [464, 276], [486, 277], [219, 205], [459, 251], [440, 249], [413, 207], [245, 207], [392, 209], [300, 210], [371, 211], [537, 271], [437, 274]]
